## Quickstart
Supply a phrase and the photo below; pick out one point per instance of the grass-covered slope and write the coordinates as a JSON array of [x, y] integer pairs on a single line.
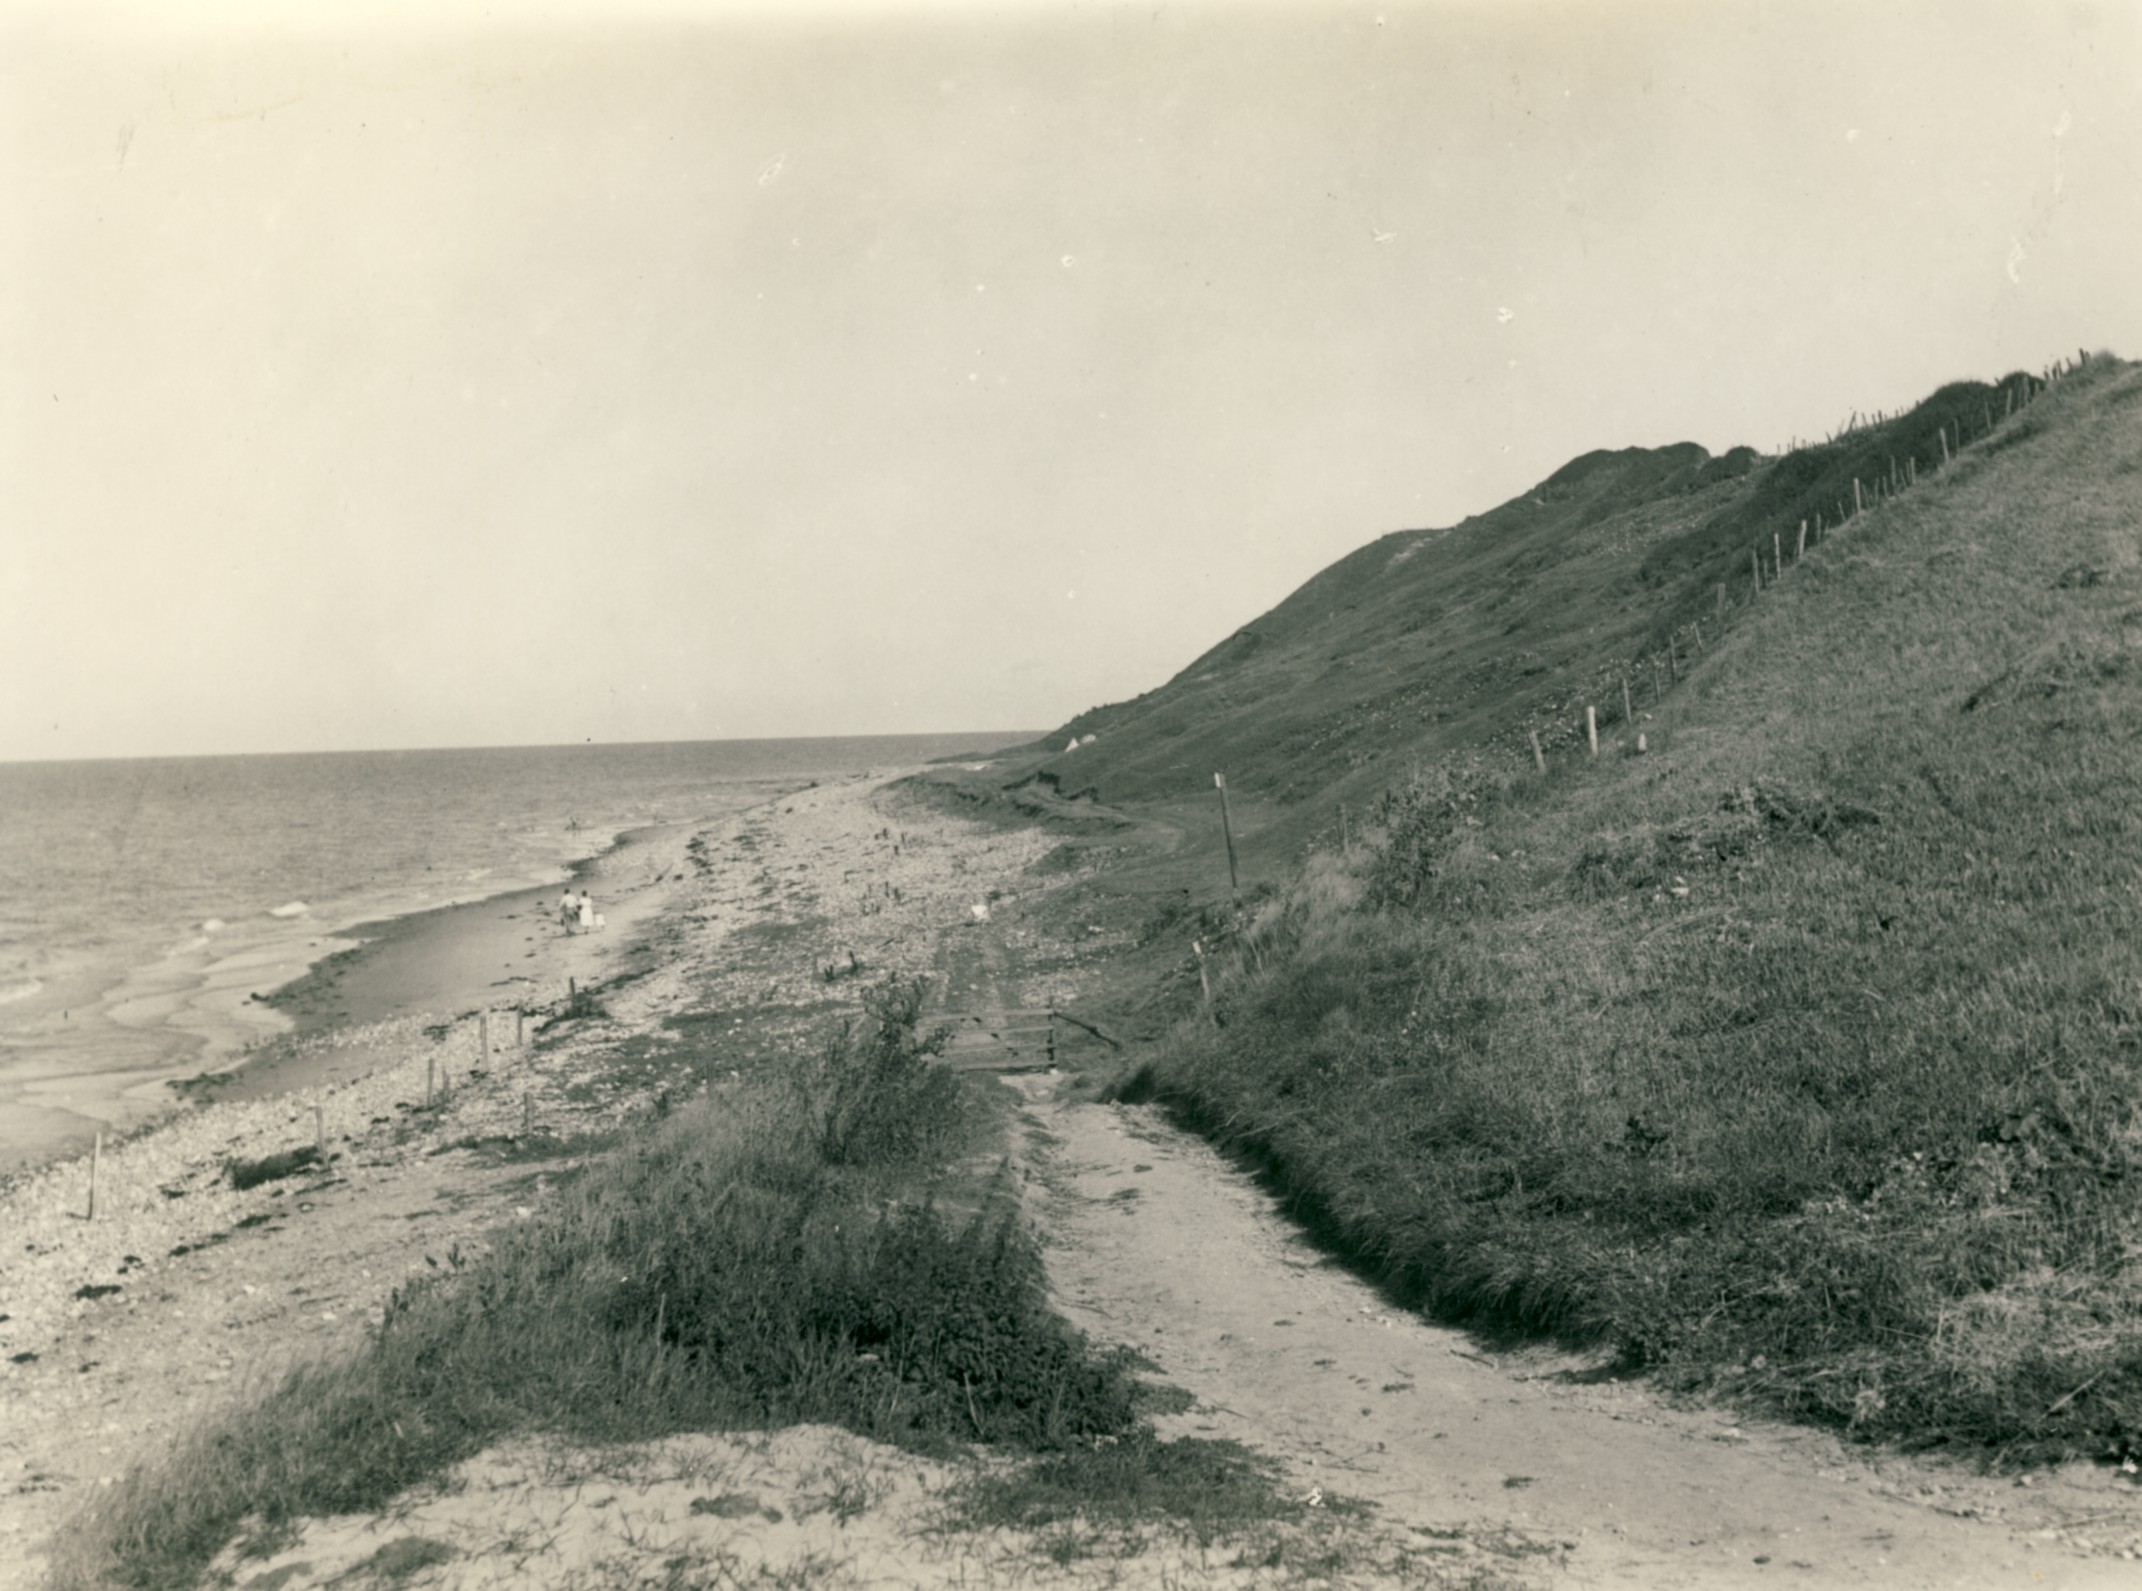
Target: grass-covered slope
[[1428, 642], [1803, 1053]]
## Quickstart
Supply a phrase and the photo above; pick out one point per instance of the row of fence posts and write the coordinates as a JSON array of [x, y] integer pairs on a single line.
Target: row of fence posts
[[435, 1090], [2015, 395]]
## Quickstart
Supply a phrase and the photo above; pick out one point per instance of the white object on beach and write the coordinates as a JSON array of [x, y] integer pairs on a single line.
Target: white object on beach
[[296, 908]]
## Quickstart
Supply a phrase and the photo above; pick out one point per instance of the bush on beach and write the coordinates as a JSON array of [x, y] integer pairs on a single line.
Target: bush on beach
[[775, 1254]]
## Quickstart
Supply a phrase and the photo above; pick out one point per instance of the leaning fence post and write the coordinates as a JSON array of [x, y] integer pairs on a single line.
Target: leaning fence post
[[1227, 828], [1539, 757]]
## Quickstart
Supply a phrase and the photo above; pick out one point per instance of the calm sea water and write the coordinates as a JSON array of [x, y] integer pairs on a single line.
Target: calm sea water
[[127, 886]]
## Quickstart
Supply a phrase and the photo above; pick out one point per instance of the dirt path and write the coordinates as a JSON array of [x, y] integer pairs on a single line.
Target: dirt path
[[1157, 1243]]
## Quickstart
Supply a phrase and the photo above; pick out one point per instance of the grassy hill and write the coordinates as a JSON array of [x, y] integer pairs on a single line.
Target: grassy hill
[[1426, 643], [1799, 1055]]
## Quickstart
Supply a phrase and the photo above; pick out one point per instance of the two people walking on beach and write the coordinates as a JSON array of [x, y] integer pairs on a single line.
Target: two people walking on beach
[[577, 913]]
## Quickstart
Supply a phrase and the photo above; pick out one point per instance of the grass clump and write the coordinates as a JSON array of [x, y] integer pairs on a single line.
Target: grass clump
[[272, 1168], [802, 1250], [1803, 1060]]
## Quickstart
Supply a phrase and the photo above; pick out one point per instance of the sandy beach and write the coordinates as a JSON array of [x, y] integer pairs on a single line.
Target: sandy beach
[[183, 1293]]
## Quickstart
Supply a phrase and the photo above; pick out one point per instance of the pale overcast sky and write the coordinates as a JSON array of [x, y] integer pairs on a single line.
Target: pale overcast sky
[[408, 377]]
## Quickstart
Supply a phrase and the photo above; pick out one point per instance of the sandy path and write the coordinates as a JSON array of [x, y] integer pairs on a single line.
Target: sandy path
[[1158, 1243]]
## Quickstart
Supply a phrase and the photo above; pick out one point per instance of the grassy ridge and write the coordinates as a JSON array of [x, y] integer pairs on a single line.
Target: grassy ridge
[[797, 1250], [1802, 1055]]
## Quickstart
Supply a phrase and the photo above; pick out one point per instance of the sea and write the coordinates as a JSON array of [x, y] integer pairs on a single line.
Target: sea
[[143, 901]]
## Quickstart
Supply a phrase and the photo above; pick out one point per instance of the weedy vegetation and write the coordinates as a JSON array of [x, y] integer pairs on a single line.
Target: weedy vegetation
[[810, 1245]]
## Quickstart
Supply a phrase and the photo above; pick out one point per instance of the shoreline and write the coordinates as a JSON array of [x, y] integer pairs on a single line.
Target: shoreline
[[120, 1335], [208, 1020]]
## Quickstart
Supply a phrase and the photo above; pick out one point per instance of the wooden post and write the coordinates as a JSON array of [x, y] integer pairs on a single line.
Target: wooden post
[[1799, 550], [1628, 713], [520, 1027], [483, 1026], [1777, 555], [431, 1069], [319, 1130], [1198, 950], [96, 1156], [1755, 561], [1591, 727], [527, 1114], [1539, 757], [1818, 524], [1911, 472], [1943, 433], [1227, 828], [1859, 503], [2008, 402], [1695, 628], [1673, 662]]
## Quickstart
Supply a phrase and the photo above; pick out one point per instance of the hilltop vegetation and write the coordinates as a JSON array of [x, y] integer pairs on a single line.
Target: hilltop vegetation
[[1799, 1055], [1426, 644]]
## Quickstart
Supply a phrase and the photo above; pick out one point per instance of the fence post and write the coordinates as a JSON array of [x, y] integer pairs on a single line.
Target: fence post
[[1539, 757], [1859, 503], [1628, 713], [96, 1155], [319, 1131], [1777, 555], [1695, 628], [1198, 950], [1227, 829], [1799, 550], [1911, 472], [1755, 560], [1591, 728], [483, 1025], [1943, 433]]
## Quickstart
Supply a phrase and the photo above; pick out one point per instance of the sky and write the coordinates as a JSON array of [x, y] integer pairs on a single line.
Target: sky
[[382, 375]]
